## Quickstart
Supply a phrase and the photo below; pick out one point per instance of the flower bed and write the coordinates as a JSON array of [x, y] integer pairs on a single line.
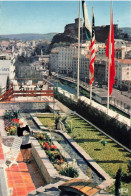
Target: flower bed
[[11, 126], [54, 155], [11, 122]]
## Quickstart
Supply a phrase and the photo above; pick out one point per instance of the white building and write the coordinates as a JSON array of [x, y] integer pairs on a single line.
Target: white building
[[123, 71], [83, 67], [7, 68], [65, 59], [61, 59], [53, 60]]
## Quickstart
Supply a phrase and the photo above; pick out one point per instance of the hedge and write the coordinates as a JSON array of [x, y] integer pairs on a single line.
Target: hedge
[[111, 126]]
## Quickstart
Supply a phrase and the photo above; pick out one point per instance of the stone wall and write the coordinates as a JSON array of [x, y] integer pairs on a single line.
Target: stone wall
[[24, 106]]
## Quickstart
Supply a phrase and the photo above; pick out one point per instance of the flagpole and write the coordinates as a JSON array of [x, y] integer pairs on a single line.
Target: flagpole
[[78, 77], [109, 63], [90, 59], [90, 94]]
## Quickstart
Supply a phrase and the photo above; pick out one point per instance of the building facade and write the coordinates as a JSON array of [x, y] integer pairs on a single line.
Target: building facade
[[7, 69]]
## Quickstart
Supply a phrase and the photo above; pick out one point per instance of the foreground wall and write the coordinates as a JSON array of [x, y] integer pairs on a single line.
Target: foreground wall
[[24, 106]]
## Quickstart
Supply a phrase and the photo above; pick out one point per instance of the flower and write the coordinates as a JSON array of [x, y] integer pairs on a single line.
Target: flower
[[46, 143], [53, 146], [47, 147], [15, 120]]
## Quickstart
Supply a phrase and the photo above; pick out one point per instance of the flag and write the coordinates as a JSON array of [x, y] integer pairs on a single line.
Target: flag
[[86, 21], [110, 53], [92, 56]]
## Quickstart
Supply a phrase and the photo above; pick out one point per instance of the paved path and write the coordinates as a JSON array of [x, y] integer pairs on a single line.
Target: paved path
[[22, 178]]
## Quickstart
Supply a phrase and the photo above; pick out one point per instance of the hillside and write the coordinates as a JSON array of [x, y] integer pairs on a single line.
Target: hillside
[[29, 36], [126, 30]]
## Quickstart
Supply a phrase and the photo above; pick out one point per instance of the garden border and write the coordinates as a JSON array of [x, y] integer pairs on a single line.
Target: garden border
[[47, 169], [108, 180]]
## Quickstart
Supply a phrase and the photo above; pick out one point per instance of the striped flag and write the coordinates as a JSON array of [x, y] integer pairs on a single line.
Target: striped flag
[[92, 56], [86, 21], [110, 53]]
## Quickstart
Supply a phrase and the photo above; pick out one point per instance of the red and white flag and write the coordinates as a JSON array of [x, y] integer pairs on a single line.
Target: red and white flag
[[92, 56], [110, 53]]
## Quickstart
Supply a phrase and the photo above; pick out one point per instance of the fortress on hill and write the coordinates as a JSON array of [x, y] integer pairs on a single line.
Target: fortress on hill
[[101, 32]]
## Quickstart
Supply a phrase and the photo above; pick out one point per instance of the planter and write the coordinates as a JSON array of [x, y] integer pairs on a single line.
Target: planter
[[55, 154], [47, 169]]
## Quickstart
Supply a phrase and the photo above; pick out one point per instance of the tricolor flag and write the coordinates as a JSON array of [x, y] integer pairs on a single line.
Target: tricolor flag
[[110, 53], [92, 49], [86, 21]]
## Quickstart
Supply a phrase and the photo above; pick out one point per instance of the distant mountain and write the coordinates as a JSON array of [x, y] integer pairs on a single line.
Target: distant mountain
[[126, 30], [29, 36]]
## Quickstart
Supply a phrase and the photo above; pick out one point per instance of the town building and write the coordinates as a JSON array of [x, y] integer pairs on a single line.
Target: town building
[[123, 73], [53, 61], [7, 69], [61, 59]]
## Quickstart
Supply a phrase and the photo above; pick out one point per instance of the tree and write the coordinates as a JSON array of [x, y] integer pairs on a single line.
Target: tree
[[118, 182], [7, 83]]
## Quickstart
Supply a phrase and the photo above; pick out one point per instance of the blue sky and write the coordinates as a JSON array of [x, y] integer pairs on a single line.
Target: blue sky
[[52, 16]]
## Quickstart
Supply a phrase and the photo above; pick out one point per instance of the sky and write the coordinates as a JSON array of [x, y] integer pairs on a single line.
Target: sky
[[52, 16]]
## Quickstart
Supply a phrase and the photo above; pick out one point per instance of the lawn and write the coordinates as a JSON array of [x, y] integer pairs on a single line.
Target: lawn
[[110, 157], [48, 120]]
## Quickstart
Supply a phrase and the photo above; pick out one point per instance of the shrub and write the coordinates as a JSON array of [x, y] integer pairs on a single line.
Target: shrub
[[111, 126], [70, 172], [11, 114], [118, 182], [127, 177]]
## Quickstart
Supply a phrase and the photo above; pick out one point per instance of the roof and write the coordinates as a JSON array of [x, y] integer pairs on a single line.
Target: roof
[[54, 51], [124, 61]]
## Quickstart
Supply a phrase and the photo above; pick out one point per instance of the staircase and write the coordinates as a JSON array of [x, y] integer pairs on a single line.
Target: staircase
[[7, 95]]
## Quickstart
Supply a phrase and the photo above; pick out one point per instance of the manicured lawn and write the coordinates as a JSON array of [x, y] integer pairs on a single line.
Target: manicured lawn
[[110, 157], [47, 120]]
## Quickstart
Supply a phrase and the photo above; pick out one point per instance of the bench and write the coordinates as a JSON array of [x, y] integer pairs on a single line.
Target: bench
[[79, 187], [10, 158]]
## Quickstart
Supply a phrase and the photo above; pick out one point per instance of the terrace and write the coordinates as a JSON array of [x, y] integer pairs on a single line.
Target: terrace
[[83, 142]]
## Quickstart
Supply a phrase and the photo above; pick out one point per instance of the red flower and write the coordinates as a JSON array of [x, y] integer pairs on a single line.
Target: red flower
[[15, 120], [46, 143], [47, 147], [54, 147], [43, 146]]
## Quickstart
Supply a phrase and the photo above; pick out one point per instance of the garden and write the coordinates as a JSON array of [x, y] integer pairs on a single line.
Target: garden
[[54, 155], [108, 154], [51, 150]]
